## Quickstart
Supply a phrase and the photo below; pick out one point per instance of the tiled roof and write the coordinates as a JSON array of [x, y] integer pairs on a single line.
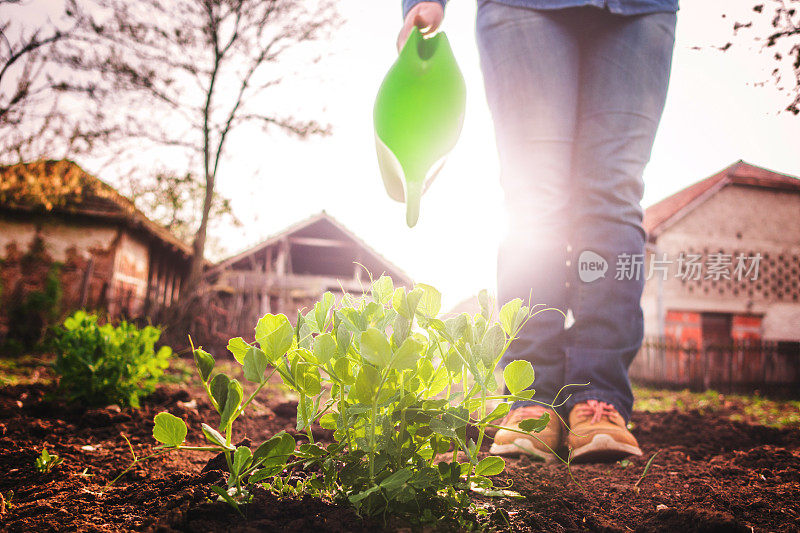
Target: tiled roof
[[63, 187], [661, 214]]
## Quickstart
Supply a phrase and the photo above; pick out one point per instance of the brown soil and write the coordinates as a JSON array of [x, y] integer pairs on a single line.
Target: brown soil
[[710, 474]]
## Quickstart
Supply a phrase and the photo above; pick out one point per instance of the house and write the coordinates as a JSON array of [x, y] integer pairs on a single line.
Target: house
[[291, 270], [105, 254], [744, 224], [723, 276]]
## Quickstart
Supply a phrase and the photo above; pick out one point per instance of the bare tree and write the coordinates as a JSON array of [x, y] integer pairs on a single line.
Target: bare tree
[[175, 202], [38, 92], [776, 25], [199, 69]]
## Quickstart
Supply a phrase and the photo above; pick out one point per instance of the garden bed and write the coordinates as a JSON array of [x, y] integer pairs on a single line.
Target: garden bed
[[710, 474]]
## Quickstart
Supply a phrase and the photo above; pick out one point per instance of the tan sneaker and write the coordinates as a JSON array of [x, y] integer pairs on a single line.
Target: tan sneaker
[[598, 434], [540, 445]]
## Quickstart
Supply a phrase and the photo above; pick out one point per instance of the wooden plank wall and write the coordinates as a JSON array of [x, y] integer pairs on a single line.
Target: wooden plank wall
[[731, 367]]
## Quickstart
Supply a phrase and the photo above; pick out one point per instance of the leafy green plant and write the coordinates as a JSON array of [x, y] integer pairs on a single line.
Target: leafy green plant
[[397, 384], [245, 467], [46, 462], [100, 365]]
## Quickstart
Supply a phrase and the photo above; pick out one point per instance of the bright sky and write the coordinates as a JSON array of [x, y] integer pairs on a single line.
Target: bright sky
[[713, 117]]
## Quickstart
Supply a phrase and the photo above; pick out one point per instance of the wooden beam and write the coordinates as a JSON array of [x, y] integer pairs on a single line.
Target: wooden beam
[[315, 241]]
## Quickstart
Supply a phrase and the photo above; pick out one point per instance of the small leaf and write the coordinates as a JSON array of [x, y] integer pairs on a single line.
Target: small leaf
[[322, 310], [232, 402], [526, 394], [494, 340], [430, 302], [465, 328], [215, 437], [205, 363], [375, 348], [490, 466], [509, 316], [342, 367], [219, 390], [328, 420], [497, 413], [304, 336], [439, 382], [343, 339], [396, 480], [274, 334], [535, 425], [307, 378], [169, 430], [485, 304], [238, 347], [281, 445], [255, 364], [324, 348], [400, 329], [442, 428], [405, 358], [223, 494], [366, 384], [382, 290], [406, 303], [518, 375], [355, 498], [241, 460]]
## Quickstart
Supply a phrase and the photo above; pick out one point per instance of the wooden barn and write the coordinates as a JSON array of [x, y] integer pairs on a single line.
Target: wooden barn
[[290, 271], [58, 221]]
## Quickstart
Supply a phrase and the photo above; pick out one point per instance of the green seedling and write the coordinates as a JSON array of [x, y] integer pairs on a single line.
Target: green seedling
[[102, 365], [398, 385], [46, 462], [6, 501], [645, 471], [226, 394]]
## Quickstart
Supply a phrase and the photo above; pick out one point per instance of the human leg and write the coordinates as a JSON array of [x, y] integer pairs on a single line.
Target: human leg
[[625, 64], [530, 65]]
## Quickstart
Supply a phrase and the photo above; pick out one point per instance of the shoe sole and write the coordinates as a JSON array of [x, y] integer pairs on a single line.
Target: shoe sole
[[603, 449], [521, 447]]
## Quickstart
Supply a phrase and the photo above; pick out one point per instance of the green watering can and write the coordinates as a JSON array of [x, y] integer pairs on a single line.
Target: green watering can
[[418, 116]]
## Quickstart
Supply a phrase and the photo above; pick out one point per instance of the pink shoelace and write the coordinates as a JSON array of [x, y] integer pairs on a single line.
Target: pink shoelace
[[596, 409]]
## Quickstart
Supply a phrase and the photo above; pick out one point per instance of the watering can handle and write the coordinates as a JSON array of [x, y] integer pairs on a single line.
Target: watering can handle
[[427, 16]]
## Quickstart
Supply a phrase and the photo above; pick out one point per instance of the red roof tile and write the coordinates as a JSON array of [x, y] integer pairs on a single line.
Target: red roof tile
[[658, 215]]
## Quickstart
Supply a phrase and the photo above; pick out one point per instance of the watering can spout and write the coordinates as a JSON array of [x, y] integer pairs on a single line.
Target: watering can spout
[[413, 199], [418, 115]]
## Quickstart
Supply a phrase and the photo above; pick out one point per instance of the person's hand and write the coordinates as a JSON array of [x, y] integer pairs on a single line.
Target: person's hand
[[427, 16]]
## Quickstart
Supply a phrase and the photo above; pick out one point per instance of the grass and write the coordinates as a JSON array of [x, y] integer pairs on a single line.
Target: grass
[[753, 409]]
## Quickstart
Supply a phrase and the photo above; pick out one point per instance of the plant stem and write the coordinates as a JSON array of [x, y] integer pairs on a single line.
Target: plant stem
[[134, 463], [373, 416]]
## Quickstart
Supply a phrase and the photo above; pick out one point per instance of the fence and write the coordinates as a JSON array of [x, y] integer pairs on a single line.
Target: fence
[[738, 366]]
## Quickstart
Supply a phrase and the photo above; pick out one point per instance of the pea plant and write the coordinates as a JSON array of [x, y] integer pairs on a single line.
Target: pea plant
[[47, 461], [398, 385]]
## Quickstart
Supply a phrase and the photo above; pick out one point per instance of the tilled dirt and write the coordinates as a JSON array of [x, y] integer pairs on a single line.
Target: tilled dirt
[[710, 474]]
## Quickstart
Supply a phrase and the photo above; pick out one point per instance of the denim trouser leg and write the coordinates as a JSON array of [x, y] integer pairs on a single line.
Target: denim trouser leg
[[575, 95], [534, 106], [624, 78]]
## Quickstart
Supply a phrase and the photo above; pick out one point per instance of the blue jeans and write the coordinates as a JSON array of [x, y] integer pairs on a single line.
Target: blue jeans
[[576, 96]]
